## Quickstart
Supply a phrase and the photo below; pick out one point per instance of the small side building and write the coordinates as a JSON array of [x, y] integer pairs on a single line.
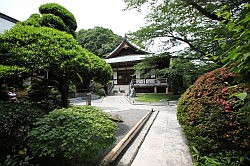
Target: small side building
[[123, 60], [6, 22]]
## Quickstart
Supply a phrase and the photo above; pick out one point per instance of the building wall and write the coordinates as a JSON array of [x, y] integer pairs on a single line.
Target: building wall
[[5, 25], [123, 75]]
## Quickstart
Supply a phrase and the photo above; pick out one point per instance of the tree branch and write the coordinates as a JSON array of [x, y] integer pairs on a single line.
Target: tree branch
[[204, 11], [185, 40]]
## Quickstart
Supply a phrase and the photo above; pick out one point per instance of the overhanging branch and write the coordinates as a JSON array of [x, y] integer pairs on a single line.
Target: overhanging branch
[[204, 11], [189, 43]]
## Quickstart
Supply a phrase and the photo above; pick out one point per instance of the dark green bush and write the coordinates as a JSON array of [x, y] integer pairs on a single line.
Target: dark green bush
[[16, 120], [45, 94], [214, 114], [74, 135], [101, 92], [38, 90]]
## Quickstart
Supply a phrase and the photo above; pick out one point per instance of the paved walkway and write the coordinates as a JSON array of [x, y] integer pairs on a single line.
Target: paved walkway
[[164, 145]]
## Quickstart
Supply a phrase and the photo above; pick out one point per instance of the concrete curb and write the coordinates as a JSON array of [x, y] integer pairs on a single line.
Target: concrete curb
[[102, 99], [128, 155], [115, 152]]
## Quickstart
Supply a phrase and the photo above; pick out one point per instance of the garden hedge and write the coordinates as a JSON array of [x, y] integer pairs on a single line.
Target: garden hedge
[[214, 114]]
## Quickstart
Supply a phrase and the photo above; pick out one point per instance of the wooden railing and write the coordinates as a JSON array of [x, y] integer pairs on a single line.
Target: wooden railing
[[152, 81]]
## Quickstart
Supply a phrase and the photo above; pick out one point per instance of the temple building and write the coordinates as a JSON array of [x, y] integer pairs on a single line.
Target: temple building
[[123, 60]]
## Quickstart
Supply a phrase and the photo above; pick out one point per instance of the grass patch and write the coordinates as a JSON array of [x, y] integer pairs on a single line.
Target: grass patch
[[155, 97]]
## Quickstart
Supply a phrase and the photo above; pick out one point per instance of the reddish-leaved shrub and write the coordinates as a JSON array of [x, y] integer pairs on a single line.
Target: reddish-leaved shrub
[[214, 113]]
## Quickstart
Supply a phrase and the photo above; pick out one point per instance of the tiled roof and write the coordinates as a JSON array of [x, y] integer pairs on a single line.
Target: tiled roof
[[125, 44]]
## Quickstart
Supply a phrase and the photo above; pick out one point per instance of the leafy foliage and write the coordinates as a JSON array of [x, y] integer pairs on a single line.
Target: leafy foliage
[[215, 29], [8, 71], [215, 114], [75, 134], [39, 48], [11, 75], [57, 16], [50, 20], [101, 92], [45, 49], [181, 73], [61, 12], [194, 24], [16, 120], [15, 160], [98, 40], [33, 20], [54, 16], [100, 71], [157, 63], [223, 159], [238, 52], [178, 22]]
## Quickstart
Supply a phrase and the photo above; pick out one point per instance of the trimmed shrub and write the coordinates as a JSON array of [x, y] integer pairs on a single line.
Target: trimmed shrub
[[72, 135], [16, 120], [58, 10], [214, 114]]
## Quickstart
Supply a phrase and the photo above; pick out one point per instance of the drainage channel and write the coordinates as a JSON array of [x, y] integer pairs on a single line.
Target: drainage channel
[[126, 150]]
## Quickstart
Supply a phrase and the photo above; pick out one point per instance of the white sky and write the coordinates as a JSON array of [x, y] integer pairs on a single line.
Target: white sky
[[88, 13]]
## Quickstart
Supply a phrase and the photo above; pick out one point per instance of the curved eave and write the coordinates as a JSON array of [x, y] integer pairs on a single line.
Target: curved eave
[[130, 44], [118, 48], [8, 18]]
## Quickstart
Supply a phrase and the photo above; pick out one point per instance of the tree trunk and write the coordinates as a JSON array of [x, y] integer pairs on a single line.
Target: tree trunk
[[64, 89], [176, 84]]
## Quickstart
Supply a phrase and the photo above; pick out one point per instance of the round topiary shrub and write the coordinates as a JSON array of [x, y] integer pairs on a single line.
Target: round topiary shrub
[[73, 135], [214, 114]]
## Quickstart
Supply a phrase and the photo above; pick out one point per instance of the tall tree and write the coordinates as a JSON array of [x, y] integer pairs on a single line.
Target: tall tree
[[98, 40], [193, 22], [215, 29], [39, 49]]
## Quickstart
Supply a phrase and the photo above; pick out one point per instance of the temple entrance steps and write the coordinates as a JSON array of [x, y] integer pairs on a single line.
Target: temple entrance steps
[[120, 90]]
